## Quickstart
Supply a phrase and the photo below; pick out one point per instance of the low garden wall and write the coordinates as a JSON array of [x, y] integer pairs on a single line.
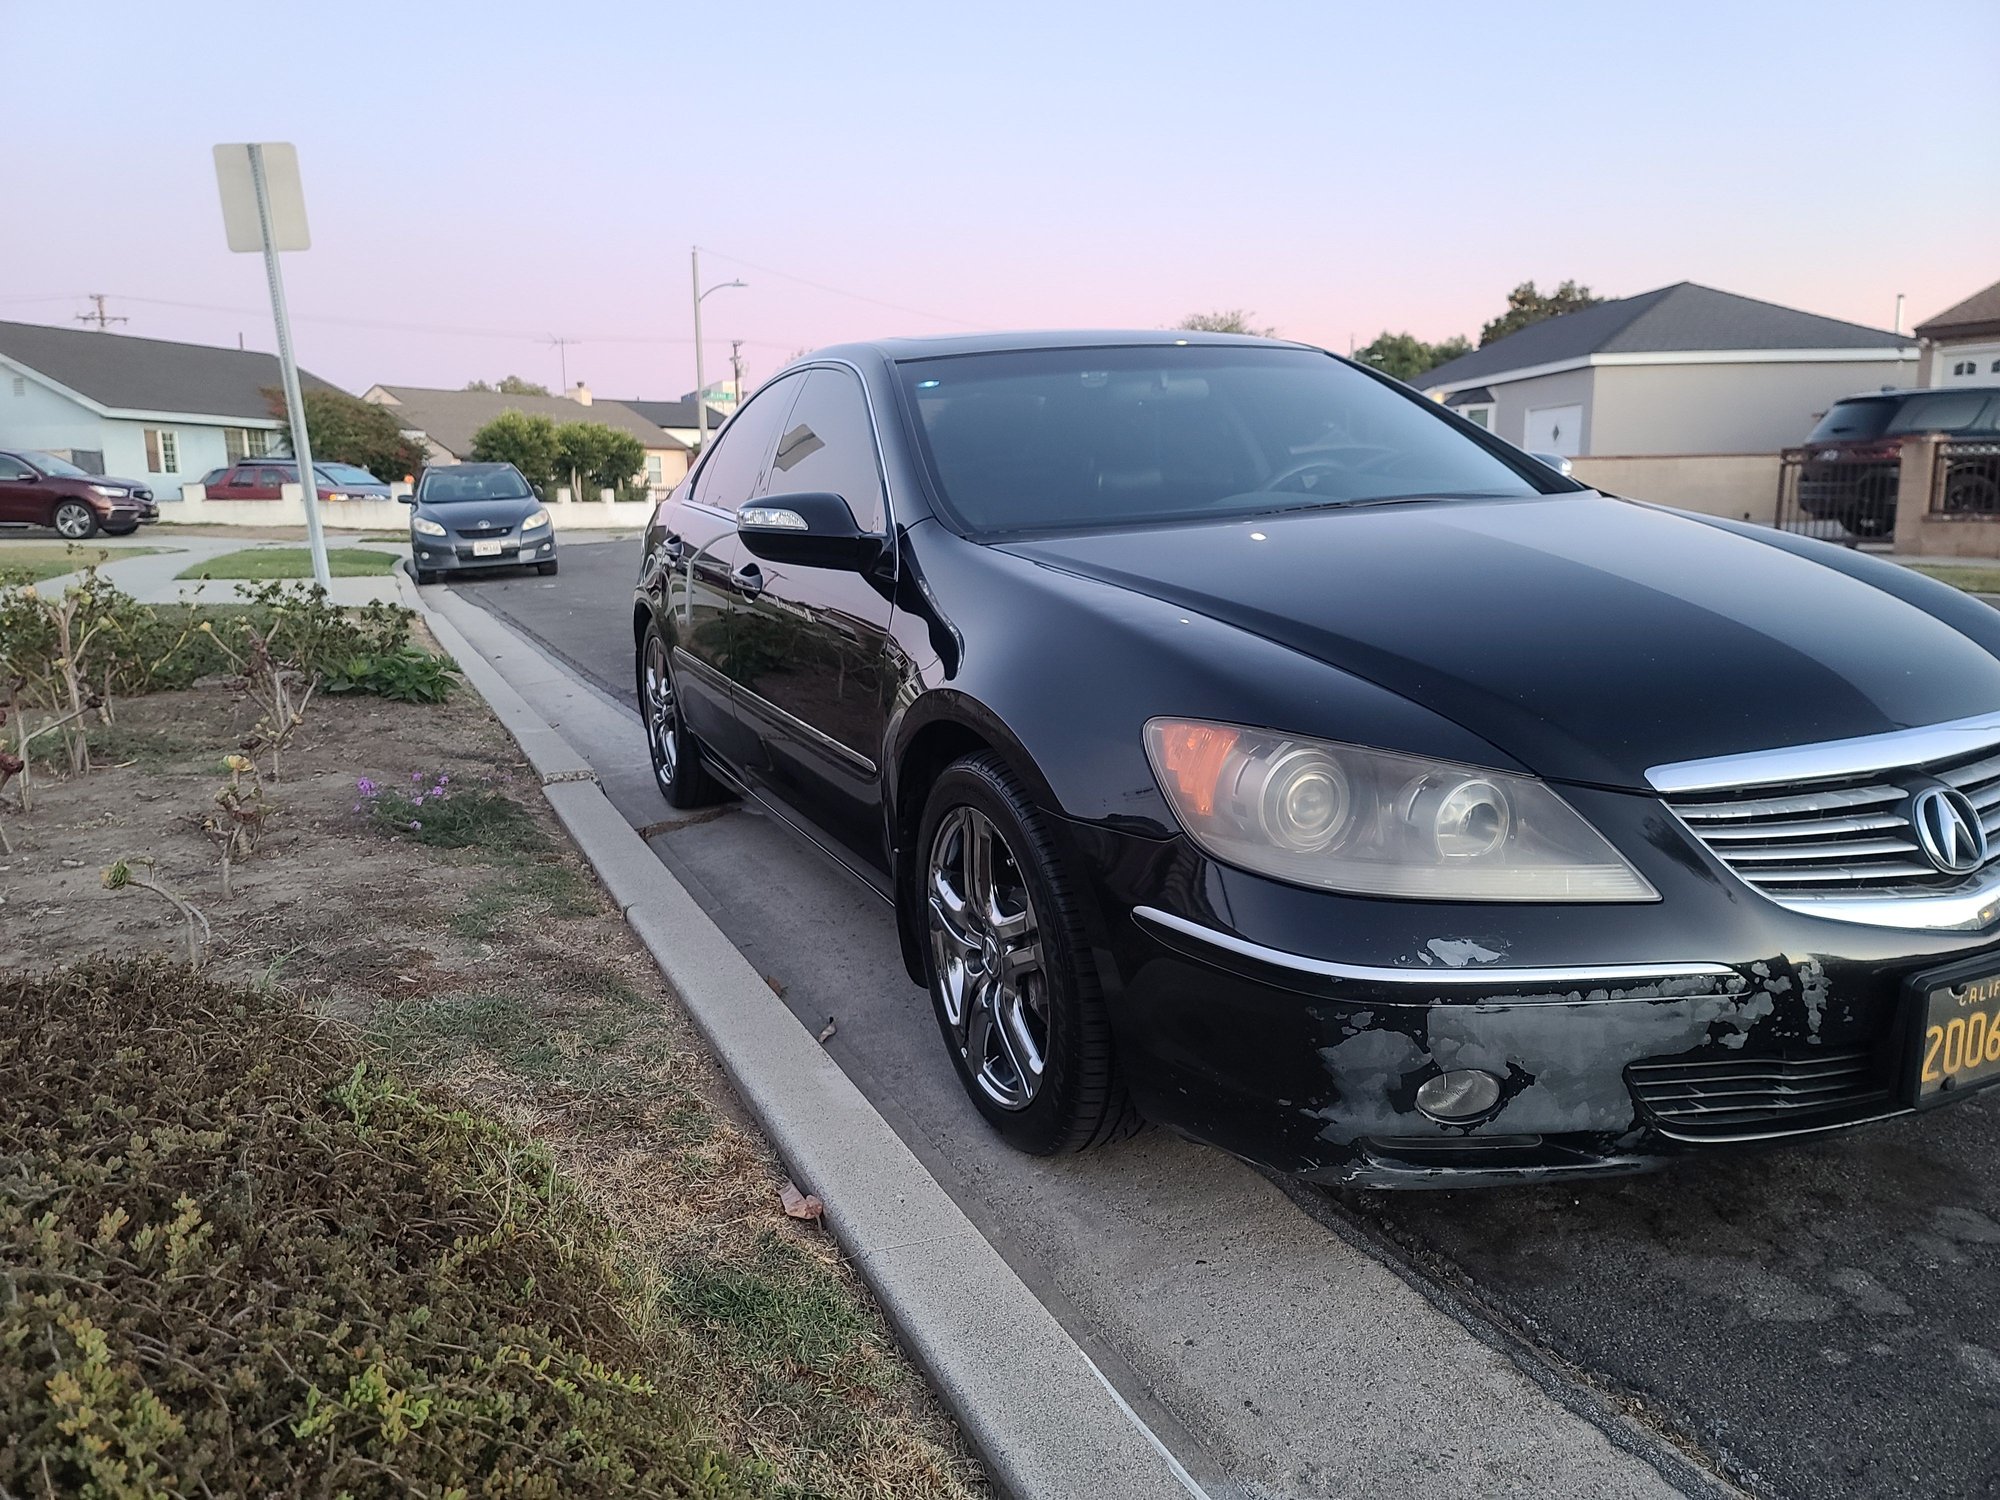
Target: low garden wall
[[196, 507], [1741, 486]]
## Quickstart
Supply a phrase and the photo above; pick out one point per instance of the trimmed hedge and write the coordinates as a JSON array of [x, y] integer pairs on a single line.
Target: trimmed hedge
[[238, 1259]]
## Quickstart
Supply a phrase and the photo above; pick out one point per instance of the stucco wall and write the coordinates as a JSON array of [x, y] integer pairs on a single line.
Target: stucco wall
[[1742, 486], [1512, 401], [1724, 408], [42, 418]]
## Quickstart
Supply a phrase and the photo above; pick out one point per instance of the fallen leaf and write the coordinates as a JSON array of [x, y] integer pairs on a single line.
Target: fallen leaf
[[800, 1205], [826, 1032], [776, 988]]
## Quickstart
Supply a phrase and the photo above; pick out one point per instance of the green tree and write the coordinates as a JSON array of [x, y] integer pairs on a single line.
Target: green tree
[[1528, 304], [528, 443], [1231, 320], [602, 456], [344, 429], [1406, 356], [510, 385]]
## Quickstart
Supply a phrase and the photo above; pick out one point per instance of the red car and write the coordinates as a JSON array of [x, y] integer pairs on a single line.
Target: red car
[[39, 489], [260, 479]]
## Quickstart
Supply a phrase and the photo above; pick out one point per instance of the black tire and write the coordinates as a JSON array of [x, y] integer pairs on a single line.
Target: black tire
[[547, 569], [678, 769], [427, 575], [73, 520], [1078, 1100]]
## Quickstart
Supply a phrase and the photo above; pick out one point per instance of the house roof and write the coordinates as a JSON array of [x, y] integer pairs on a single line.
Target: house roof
[[1976, 315], [450, 418], [674, 413], [122, 372], [1681, 318]]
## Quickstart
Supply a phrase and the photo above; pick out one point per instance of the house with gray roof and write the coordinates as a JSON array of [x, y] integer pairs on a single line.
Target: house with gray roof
[[1685, 369], [681, 418], [446, 422], [114, 403], [1962, 343]]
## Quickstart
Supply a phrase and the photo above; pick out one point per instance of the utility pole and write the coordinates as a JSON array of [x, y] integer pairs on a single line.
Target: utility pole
[[736, 368], [700, 380], [562, 352], [101, 318], [1899, 312]]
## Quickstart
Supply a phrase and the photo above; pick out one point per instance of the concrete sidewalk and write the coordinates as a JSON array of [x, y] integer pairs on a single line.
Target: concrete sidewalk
[[155, 579]]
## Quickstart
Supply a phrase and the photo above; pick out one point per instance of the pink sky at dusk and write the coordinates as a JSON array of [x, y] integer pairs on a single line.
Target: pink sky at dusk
[[481, 178]]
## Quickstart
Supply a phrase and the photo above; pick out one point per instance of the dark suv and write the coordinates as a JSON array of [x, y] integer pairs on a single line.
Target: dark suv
[[1848, 470], [39, 489]]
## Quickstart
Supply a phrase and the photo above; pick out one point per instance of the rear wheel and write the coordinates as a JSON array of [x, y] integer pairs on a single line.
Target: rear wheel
[[74, 520], [1016, 994], [677, 765]]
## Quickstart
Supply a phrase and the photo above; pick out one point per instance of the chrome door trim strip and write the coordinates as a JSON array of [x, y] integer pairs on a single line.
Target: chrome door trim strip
[[1897, 749], [761, 704], [1488, 976], [684, 657]]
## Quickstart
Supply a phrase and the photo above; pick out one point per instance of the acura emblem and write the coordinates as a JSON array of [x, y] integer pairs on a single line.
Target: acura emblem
[[1948, 829]]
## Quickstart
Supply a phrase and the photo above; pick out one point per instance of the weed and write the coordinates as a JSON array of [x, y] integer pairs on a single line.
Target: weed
[[436, 813], [405, 676]]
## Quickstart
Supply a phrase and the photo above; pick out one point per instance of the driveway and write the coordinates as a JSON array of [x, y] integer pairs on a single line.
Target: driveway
[[1818, 1321]]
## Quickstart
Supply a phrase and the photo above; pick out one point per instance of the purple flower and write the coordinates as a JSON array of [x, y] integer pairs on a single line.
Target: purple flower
[[415, 826], [365, 787], [417, 776]]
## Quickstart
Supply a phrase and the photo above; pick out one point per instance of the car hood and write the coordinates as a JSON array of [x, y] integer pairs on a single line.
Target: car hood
[[473, 512], [121, 483], [1586, 637]]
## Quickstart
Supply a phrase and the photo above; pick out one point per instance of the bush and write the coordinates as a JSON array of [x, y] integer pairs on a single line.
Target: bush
[[407, 676], [236, 1259]]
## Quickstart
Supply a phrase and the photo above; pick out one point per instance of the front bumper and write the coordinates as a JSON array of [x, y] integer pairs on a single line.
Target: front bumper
[[1295, 1027], [445, 554]]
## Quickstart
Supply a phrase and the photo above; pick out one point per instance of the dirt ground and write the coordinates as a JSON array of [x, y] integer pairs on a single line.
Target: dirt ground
[[501, 970]]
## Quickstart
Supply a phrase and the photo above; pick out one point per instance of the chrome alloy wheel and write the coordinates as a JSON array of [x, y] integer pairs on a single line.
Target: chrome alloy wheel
[[74, 520], [986, 947], [662, 714]]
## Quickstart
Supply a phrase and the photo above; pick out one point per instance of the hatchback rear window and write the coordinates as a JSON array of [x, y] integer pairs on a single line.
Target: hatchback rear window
[[1853, 421]]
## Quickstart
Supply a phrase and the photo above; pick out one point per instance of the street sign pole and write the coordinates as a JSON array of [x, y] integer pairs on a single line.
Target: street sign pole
[[700, 390], [294, 403]]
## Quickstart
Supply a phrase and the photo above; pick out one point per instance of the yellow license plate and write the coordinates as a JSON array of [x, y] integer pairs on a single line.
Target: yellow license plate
[[1960, 1045]]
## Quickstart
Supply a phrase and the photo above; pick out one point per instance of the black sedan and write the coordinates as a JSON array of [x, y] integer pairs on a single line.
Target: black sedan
[[472, 516], [1249, 744]]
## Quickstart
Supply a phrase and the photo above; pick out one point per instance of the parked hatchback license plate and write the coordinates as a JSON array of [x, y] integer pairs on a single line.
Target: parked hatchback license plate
[[485, 549], [1960, 1045]]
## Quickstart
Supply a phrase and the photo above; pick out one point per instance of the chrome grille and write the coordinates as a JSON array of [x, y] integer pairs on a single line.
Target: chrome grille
[[1840, 838], [1716, 1098]]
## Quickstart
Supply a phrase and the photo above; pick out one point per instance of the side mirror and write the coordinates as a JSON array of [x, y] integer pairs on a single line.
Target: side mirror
[[538, 492], [1555, 461], [409, 497], [810, 530]]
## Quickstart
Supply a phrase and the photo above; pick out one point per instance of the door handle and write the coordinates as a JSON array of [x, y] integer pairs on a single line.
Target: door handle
[[672, 547], [749, 580]]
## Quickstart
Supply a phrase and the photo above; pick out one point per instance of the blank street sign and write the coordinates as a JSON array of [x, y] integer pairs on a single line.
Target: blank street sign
[[281, 185]]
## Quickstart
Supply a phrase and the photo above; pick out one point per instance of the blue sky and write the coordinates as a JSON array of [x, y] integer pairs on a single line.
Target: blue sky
[[483, 177]]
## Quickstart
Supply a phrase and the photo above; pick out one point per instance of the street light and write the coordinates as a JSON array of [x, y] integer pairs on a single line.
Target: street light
[[700, 383]]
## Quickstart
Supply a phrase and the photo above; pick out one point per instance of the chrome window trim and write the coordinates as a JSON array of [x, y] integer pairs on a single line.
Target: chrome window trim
[[1488, 976], [1896, 750]]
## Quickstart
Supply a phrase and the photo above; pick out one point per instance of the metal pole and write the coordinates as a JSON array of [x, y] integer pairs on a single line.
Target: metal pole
[[700, 391], [294, 403]]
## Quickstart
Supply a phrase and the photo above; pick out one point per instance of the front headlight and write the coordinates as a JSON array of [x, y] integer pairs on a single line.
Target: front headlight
[[425, 526], [539, 518], [1379, 823], [111, 491]]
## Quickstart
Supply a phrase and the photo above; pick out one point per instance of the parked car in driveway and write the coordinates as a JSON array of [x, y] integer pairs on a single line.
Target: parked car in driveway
[[468, 516], [39, 489], [1848, 469], [264, 478], [1247, 743]]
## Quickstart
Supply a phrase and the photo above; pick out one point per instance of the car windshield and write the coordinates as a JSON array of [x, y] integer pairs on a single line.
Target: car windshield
[[62, 468], [1852, 422], [474, 482], [346, 474], [1062, 439]]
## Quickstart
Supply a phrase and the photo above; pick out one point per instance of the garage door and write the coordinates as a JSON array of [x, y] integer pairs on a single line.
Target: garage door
[[1555, 429]]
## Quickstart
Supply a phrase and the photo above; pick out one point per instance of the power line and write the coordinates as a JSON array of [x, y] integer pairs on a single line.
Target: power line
[[820, 286], [101, 318]]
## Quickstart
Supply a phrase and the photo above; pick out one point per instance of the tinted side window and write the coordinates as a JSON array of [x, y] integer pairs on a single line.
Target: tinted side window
[[12, 467], [1942, 413], [734, 472], [828, 444]]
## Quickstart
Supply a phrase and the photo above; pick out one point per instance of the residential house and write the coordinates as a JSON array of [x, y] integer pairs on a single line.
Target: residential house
[[1962, 344], [445, 422], [679, 417], [1684, 395], [113, 403]]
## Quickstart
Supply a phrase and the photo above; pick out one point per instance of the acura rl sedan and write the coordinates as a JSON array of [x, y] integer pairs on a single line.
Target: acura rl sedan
[[469, 516], [1248, 744]]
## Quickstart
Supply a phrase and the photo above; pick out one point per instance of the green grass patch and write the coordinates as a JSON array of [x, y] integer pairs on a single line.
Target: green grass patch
[[1972, 580], [522, 895], [237, 1252], [31, 562], [459, 817], [292, 562]]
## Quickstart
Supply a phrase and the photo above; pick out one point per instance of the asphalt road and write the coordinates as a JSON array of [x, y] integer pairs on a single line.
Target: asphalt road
[[1816, 1322]]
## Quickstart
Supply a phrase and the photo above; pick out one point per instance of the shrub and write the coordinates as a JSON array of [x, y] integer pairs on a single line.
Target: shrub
[[236, 1259], [407, 676]]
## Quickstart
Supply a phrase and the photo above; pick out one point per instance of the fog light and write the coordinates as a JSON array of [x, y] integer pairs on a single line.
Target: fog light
[[1464, 1094]]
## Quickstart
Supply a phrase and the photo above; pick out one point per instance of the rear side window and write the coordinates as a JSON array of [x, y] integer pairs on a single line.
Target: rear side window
[[1948, 411], [828, 445], [1852, 421], [734, 472]]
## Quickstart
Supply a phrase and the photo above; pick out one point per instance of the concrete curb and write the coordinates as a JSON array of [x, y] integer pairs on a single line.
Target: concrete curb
[[1040, 1415]]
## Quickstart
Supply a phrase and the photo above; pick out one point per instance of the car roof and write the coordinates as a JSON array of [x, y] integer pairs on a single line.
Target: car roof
[[943, 345], [1904, 393]]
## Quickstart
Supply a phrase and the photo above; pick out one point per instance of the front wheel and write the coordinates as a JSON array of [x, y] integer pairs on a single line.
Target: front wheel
[[677, 765], [547, 569], [74, 520], [1016, 993]]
